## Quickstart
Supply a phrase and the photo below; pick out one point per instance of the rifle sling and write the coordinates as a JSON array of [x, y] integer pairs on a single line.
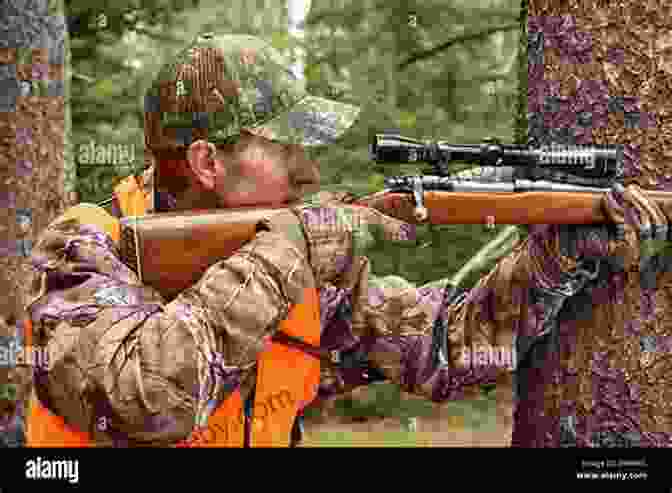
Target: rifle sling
[[354, 358], [296, 343]]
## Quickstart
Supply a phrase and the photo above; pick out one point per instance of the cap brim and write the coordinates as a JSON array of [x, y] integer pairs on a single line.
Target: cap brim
[[312, 121]]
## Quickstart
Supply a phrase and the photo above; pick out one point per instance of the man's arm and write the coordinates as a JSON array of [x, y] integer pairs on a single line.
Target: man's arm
[[479, 326], [519, 298], [151, 370]]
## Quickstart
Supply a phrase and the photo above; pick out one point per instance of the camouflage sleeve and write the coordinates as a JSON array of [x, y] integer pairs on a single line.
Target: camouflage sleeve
[[514, 303], [152, 370]]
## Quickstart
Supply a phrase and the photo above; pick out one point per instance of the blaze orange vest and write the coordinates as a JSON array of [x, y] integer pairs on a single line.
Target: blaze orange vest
[[287, 378]]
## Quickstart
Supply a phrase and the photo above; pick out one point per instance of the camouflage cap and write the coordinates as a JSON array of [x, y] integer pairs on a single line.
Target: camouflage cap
[[221, 84]]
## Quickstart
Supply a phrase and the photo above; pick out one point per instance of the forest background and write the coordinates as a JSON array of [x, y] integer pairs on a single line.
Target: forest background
[[440, 69]]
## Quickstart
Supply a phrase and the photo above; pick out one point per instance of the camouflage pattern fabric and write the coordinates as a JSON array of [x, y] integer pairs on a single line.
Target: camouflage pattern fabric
[[156, 370], [221, 84], [102, 327]]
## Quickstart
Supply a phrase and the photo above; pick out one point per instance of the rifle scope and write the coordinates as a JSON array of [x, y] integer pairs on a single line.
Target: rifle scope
[[588, 160]]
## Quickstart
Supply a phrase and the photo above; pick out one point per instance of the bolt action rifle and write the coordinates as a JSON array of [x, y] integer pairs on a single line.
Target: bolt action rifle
[[515, 185]]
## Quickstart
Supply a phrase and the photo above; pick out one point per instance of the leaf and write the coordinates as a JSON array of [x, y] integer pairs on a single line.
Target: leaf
[[105, 88], [407, 119], [313, 73], [376, 182], [280, 40]]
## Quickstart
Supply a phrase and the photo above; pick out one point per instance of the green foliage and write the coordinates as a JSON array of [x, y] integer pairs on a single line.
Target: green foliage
[[118, 47], [345, 438], [386, 400], [382, 401], [444, 90]]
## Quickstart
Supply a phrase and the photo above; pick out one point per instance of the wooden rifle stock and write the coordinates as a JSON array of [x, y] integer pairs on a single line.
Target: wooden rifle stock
[[174, 249], [502, 208]]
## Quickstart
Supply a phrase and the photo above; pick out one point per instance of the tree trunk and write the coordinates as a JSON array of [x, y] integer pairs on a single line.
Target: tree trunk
[[36, 172], [297, 13], [620, 328]]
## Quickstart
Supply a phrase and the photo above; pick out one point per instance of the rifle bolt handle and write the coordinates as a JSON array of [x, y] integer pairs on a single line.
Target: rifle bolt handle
[[420, 214]]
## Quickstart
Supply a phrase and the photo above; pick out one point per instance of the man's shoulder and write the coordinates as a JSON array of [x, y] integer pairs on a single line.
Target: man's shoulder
[[91, 214]]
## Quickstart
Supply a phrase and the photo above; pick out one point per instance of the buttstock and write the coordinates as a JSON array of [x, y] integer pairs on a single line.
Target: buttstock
[[173, 250]]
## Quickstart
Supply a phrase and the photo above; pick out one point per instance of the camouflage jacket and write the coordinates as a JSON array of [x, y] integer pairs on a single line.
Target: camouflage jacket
[[580, 378]]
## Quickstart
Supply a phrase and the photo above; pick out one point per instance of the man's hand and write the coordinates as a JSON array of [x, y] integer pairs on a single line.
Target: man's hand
[[630, 209], [635, 237], [560, 259]]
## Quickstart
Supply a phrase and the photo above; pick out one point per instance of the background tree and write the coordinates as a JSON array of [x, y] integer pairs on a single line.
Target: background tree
[[35, 170]]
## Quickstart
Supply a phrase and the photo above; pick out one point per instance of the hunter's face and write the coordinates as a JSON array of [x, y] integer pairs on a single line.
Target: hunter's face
[[254, 172]]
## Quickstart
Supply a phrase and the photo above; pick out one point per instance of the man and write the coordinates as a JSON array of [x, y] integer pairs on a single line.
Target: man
[[234, 359]]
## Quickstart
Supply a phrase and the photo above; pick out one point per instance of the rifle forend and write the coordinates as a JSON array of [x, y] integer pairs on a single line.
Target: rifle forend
[[488, 207]]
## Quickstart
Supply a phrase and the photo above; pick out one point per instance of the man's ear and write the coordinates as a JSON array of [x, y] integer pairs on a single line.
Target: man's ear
[[200, 157]]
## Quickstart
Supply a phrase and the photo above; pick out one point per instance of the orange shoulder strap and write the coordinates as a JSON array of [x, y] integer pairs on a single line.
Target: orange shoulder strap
[[133, 199]]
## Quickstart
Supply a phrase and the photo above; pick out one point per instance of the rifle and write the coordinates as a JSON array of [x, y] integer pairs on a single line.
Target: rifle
[[516, 185]]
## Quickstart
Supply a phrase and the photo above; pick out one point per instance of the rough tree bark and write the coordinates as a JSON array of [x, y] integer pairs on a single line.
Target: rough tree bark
[[613, 61], [36, 172]]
